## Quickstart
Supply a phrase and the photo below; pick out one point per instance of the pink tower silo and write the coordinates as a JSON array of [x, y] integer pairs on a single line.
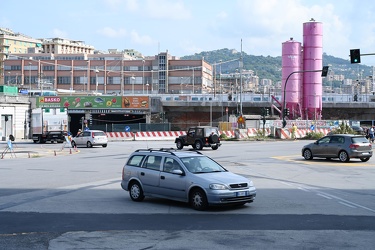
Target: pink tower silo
[[291, 62], [312, 60]]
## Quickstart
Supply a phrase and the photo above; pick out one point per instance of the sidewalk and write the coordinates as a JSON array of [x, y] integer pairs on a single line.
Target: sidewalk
[[23, 149]]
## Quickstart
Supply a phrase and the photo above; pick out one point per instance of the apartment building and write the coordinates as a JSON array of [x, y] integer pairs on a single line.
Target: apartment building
[[14, 43]]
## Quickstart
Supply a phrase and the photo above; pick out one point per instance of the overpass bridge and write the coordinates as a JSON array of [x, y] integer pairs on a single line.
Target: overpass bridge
[[205, 110]]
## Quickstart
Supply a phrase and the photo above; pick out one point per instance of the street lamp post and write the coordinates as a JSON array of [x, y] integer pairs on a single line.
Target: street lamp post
[[71, 82], [96, 79], [143, 77], [133, 80], [193, 79], [30, 76], [324, 73], [152, 81], [221, 94], [105, 83], [181, 85]]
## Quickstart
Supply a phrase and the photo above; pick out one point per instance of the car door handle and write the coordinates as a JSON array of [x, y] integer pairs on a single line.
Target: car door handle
[[142, 173], [162, 177]]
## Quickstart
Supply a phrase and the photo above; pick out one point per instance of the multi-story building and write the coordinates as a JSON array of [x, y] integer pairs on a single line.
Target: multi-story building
[[115, 73], [65, 46], [14, 43]]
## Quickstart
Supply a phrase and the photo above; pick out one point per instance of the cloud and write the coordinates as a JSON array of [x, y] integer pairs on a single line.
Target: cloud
[[127, 5], [167, 9], [142, 40], [112, 33]]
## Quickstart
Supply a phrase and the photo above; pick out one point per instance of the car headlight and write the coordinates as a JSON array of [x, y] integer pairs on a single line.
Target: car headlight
[[251, 184], [216, 186]]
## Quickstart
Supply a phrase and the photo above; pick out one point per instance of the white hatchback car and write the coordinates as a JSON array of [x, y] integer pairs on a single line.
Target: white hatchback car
[[90, 138]]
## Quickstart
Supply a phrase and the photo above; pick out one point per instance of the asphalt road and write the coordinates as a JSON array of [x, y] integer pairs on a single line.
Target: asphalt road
[[74, 201]]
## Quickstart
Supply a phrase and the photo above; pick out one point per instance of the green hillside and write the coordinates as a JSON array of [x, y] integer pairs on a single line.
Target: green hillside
[[270, 67]]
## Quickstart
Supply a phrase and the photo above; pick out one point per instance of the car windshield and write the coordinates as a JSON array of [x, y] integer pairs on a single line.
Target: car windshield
[[202, 164]]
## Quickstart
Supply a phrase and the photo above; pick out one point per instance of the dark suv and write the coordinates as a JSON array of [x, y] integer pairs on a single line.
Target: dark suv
[[199, 137]]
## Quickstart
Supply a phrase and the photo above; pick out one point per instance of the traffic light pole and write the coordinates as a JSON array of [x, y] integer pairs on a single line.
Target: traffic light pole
[[324, 73]]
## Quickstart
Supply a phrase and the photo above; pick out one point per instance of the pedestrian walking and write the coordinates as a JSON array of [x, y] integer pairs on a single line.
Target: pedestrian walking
[[371, 134], [294, 131]]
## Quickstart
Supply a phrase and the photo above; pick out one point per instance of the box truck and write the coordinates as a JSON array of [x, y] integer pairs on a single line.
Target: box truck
[[49, 124]]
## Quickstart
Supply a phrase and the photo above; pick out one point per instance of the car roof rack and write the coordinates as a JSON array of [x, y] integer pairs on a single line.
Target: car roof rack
[[166, 150]]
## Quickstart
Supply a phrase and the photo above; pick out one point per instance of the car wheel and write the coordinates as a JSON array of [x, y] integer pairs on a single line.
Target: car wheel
[[179, 144], [74, 144], [89, 144], [214, 147], [307, 154], [104, 145], [365, 159], [136, 192], [198, 145], [343, 156], [198, 199]]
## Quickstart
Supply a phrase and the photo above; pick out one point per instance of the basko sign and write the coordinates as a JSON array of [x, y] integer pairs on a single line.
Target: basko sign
[[90, 102]]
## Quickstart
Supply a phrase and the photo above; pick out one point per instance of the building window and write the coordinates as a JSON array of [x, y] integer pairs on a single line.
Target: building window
[[63, 80]]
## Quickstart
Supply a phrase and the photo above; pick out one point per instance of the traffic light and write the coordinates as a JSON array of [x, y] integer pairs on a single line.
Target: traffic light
[[267, 111], [355, 56], [325, 71], [286, 112]]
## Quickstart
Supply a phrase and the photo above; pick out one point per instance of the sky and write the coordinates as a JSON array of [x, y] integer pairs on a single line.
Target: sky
[[186, 27]]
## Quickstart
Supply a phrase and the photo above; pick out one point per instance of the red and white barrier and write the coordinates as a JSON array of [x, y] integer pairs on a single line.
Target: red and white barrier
[[241, 134], [153, 135]]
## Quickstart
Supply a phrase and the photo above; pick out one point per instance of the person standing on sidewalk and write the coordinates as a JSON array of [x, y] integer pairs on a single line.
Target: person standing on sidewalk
[[294, 131]]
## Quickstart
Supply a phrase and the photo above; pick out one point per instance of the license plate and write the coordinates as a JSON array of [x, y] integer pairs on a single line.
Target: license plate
[[242, 193]]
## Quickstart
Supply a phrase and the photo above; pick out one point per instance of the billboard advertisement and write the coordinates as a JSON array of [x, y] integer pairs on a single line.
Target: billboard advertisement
[[93, 102]]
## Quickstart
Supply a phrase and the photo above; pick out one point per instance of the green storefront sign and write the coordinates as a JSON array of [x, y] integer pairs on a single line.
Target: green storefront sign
[[93, 102]]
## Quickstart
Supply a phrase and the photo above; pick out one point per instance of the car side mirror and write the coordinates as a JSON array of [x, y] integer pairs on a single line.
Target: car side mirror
[[178, 172]]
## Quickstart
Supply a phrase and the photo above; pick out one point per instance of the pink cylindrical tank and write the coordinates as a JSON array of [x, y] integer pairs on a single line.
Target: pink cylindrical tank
[[312, 60], [291, 61]]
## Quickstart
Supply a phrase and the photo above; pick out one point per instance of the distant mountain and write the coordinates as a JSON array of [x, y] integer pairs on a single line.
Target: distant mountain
[[270, 67]]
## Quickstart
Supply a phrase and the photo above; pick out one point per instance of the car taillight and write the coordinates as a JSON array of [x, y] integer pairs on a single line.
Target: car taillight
[[354, 146], [93, 134]]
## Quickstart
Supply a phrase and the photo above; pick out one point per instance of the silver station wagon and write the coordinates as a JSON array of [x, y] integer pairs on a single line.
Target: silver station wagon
[[186, 176]]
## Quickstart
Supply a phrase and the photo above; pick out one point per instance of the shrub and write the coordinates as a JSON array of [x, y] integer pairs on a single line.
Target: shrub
[[343, 129], [314, 135]]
